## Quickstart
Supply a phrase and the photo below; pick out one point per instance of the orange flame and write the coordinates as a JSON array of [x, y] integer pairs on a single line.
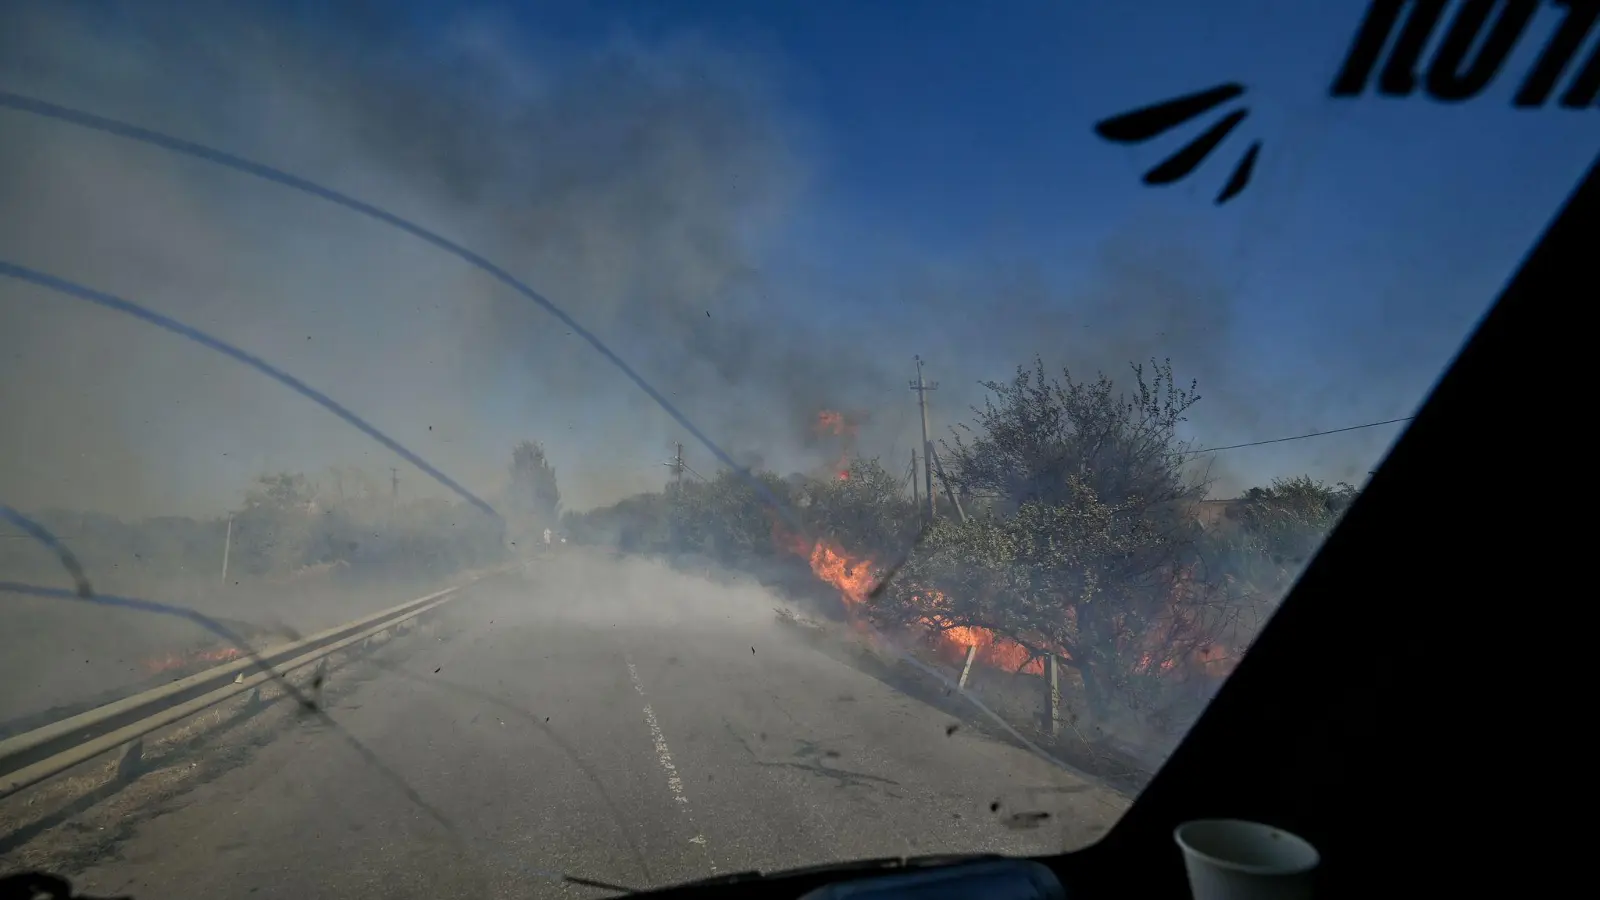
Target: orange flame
[[1176, 644], [992, 650], [831, 421], [853, 577]]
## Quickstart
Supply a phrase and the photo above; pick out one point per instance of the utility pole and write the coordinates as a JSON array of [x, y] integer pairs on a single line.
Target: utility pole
[[916, 495], [922, 387], [955, 503], [677, 467], [227, 545], [394, 482]]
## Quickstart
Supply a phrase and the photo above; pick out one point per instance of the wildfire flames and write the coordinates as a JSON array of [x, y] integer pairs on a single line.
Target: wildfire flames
[[172, 661], [832, 423], [993, 650], [853, 577]]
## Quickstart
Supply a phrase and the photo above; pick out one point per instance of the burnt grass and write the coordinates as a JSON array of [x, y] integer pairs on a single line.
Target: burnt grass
[[1100, 761], [1078, 747], [193, 662], [90, 834]]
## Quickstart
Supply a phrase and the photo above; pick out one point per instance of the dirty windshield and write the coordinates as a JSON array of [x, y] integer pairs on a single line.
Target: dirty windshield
[[577, 447]]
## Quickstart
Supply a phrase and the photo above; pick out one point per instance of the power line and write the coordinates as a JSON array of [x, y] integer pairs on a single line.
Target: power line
[[1300, 437]]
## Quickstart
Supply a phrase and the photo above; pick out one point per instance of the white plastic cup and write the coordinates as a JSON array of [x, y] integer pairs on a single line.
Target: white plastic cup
[[1231, 859]]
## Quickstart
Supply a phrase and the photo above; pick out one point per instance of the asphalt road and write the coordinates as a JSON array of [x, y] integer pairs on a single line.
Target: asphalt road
[[614, 721]]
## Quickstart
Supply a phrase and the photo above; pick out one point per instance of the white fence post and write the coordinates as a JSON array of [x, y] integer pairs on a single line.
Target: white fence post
[[966, 668]]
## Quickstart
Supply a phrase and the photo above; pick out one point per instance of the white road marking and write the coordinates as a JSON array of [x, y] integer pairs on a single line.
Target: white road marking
[[674, 783], [664, 756]]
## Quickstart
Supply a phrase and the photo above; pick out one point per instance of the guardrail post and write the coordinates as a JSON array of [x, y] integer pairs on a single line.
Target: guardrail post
[[1052, 672], [966, 668], [129, 766], [319, 679]]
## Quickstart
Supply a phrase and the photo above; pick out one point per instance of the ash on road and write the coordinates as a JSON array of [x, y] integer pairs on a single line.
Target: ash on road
[[609, 719]]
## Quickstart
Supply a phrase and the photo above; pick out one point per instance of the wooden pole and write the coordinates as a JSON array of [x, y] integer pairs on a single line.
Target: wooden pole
[[922, 387], [961, 514], [227, 546], [916, 494], [966, 668], [1052, 673]]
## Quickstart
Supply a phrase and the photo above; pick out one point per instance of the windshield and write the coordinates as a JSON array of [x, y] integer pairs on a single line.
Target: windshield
[[483, 445]]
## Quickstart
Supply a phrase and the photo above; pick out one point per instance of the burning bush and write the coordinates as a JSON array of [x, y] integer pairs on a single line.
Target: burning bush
[[1081, 541], [1054, 578], [1084, 546], [867, 510]]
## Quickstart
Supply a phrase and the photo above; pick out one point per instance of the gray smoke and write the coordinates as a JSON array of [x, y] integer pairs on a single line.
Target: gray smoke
[[631, 184], [641, 184]]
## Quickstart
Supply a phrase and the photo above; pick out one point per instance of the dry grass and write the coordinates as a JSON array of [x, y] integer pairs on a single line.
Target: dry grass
[[1018, 700]]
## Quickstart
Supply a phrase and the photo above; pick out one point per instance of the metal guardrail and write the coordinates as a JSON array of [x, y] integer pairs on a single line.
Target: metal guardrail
[[44, 752]]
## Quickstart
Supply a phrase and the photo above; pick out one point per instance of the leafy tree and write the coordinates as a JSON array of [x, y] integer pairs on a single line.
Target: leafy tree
[[1267, 538], [635, 524], [1291, 516], [1035, 432], [533, 498], [276, 529], [1087, 546], [1053, 578], [867, 512], [727, 519]]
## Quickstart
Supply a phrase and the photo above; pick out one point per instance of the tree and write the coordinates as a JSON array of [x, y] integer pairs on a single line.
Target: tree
[[1035, 433], [273, 530], [1291, 516], [1087, 547], [1267, 539], [867, 512], [635, 524], [533, 498], [727, 518], [1054, 579]]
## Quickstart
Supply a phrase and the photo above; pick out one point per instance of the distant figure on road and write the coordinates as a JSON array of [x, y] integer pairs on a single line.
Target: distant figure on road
[[547, 537]]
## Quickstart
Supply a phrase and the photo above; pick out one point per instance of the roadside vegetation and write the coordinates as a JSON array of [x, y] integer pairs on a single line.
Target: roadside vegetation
[[1081, 535]]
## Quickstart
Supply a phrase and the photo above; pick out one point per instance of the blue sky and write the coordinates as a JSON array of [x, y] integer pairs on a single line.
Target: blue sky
[[943, 194], [1375, 234]]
